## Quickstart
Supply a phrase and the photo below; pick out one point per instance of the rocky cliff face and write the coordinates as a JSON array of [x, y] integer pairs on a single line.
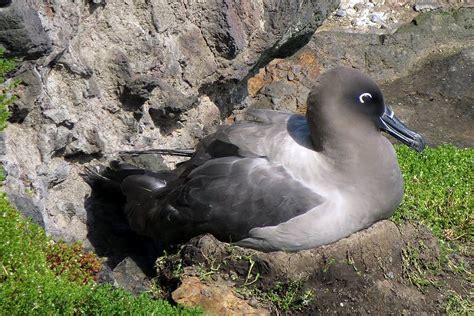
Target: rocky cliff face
[[104, 76], [424, 64]]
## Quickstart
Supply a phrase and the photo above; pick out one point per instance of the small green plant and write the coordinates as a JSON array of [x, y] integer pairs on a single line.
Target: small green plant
[[289, 296], [439, 186], [73, 262], [328, 263], [457, 305], [416, 270], [6, 88]]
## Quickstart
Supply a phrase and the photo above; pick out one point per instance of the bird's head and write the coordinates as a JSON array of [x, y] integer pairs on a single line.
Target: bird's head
[[345, 98]]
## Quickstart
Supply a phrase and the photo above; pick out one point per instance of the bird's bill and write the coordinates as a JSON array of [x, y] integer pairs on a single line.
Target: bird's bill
[[389, 123]]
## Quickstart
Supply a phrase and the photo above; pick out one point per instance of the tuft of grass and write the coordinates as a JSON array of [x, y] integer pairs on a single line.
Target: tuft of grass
[[439, 187], [418, 271], [289, 296], [30, 283], [457, 305]]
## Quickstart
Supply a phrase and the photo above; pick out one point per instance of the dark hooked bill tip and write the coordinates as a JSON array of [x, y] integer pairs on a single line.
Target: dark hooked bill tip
[[389, 123]]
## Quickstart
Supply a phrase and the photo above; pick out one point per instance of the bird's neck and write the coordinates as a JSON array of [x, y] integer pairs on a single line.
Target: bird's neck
[[342, 137]]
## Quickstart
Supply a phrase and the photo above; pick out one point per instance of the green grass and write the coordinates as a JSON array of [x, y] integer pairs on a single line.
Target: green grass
[[290, 296], [458, 305], [29, 285], [439, 187]]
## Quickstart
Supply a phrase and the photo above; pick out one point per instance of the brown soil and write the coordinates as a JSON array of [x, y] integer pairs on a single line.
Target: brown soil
[[386, 269]]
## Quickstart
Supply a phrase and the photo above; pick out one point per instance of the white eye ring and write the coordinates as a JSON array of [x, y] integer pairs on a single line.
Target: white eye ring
[[361, 97]]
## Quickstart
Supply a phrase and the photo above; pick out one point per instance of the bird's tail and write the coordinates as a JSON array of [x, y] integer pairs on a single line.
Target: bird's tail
[[108, 228], [106, 202]]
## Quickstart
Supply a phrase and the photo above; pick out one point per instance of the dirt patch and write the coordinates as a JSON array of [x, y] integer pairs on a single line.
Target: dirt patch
[[438, 99], [384, 269]]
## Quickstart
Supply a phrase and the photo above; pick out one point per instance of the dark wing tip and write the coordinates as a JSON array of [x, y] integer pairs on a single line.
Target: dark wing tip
[[163, 151]]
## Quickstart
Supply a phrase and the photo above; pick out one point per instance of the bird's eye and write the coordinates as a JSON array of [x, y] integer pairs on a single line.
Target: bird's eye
[[365, 97]]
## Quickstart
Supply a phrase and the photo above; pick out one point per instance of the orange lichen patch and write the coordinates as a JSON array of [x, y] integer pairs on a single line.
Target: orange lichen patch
[[309, 62], [230, 120], [302, 68], [256, 83]]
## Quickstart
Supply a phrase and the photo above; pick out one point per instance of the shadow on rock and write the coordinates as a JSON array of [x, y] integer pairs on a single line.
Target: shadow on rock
[[111, 236], [109, 231]]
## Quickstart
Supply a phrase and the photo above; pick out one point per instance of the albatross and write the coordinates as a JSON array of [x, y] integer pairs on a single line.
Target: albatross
[[276, 181]]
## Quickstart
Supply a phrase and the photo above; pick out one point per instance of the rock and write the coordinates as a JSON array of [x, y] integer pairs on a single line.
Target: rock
[[28, 207], [138, 90], [215, 299], [21, 30], [427, 5], [29, 91], [437, 99], [57, 176], [60, 117], [284, 83], [398, 52], [341, 13], [129, 276], [4, 3]]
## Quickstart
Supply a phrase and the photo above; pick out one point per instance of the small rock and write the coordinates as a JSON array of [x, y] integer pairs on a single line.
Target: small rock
[[217, 298], [105, 275], [376, 18], [56, 176], [296, 69], [60, 116], [112, 108], [341, 13], [359, 7], [93, 89], [253, 302], [129, 276], [291, 76], [427, 5], [255, 84]]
